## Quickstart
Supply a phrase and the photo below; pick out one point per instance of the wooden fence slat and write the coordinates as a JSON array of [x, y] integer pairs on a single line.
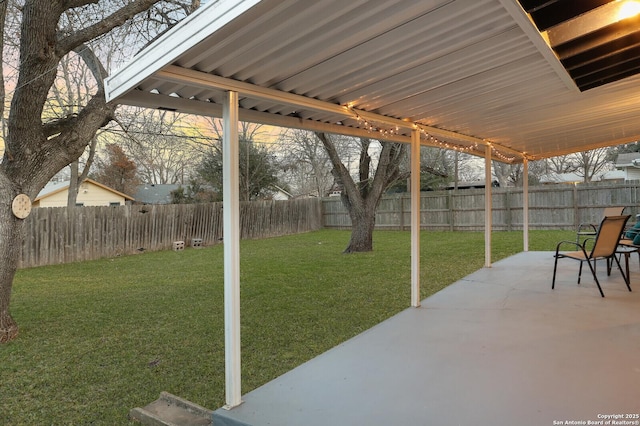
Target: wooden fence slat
[[58, 235], [550, 207], [55, 235]]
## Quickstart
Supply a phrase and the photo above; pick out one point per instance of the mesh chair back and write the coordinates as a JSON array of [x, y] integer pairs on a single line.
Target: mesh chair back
[[608, 236], [613, 211]]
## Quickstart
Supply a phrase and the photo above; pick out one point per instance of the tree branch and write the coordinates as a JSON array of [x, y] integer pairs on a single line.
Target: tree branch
[[67, 136], [93, 63], [388, 169], [119, 17], [70, 4], [3, 17], [340, 171]]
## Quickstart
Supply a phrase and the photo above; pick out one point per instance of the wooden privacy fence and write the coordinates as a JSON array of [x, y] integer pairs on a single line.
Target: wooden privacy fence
[[60, 235], [550, 207]]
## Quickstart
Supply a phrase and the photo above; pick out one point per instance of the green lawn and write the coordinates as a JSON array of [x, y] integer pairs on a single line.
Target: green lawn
[[99, 338]]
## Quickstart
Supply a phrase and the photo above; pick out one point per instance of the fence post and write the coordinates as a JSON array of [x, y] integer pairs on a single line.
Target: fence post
[[450, 213], [575, 207], [401, 213], [507, 206]]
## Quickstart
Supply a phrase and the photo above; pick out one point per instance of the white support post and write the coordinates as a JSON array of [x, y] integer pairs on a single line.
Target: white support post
[[415, 218], [488, 210], [525, 204], [231, 238]]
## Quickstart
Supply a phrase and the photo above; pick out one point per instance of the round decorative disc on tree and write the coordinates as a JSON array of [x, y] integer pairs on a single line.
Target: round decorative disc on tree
[[21, 206]]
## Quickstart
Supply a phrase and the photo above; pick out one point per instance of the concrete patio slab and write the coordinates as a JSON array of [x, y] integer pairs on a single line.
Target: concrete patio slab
[[496, 348]]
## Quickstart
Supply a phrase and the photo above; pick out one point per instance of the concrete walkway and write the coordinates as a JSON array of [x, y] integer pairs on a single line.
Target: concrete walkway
[[496, 348]]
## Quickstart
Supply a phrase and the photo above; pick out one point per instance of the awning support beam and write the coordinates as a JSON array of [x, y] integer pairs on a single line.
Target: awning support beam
[[415, 218], [231, 238], [205, 81], [525, 204], [488, 210]]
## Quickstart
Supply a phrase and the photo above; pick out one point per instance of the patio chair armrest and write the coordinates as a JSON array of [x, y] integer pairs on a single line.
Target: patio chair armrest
[[626, 242], [587, 228], [578, 246], [591, 242]]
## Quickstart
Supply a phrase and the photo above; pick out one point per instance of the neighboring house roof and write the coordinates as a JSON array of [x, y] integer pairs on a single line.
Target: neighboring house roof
[[561, 178], [52, 188], [281, 193], [56, 187], [629, 159], [575, 178], [151, 193]]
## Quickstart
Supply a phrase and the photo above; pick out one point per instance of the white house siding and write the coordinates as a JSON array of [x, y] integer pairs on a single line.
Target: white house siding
[[88, 195], [633, 173]]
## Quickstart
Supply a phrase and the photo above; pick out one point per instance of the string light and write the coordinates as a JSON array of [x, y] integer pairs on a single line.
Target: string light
[[447, 145], [371, 128], [433, 140], [467, 148], [503, 157]]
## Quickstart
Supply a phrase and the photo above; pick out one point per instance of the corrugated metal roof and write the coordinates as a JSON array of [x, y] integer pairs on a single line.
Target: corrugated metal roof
[[472, 70]]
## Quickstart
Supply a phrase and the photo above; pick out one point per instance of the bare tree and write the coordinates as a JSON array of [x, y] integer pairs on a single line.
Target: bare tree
[[305, 163], [508, 174], [590, 163], [161, 144], [361, 197], [37, 146], [560, 164], [71, 90], [248, 131], [537, 169], [440, 167]]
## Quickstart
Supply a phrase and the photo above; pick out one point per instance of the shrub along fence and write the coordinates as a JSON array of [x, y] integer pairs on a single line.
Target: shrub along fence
[[61, 235], [550, 207]]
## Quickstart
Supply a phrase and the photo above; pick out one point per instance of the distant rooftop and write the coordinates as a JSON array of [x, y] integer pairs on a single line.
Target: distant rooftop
[[54, 187], [150, 193], [627, 159]]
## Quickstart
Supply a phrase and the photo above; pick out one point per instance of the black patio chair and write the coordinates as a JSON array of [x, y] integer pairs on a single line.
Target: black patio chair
[[590, 229], [604, 247]]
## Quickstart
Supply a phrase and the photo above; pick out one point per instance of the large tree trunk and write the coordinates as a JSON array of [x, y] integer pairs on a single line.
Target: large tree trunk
[[76, 177], [363, 223], [362, 198], [72, 193], [36, 151], [11, 230]]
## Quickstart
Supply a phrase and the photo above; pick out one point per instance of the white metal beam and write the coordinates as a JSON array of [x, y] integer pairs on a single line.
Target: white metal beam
[[231, 238], [202, 80], [415, 218], [193, 78], [209, 109], [527, 25], [488, 210], [167, 48], [525, 204]]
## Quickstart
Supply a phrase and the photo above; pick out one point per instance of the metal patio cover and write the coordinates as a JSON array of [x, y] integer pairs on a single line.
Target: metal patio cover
[[469, 72]]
